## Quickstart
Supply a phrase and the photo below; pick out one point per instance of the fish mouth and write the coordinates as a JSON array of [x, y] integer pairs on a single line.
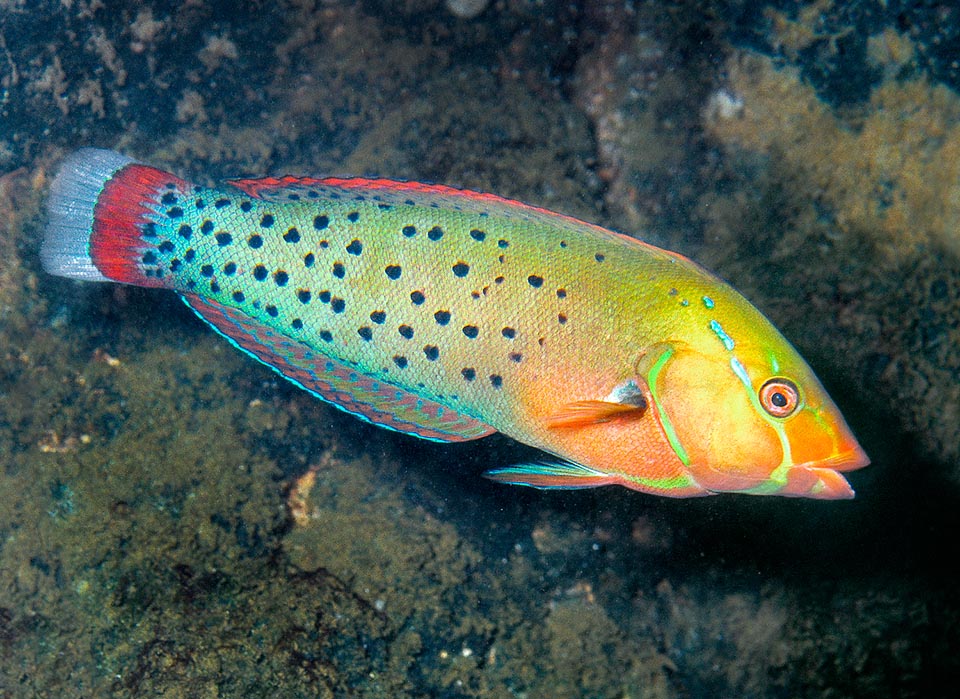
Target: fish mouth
[[850, 459], [822, 479]]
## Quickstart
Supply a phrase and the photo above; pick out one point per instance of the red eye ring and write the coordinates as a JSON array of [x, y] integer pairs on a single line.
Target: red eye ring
[[779, 397]]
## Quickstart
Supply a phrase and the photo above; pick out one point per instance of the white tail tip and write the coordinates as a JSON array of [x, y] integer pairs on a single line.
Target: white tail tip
[[70, 209]]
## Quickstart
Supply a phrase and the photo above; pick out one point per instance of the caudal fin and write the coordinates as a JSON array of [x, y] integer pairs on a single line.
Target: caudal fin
[[100, 211]]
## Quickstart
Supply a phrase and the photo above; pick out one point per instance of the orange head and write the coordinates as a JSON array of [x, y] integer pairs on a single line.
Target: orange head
[[750, 417]]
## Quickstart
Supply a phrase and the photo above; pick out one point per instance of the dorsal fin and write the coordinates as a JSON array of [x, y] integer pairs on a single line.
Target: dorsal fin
[[400, 192], [369, 399]]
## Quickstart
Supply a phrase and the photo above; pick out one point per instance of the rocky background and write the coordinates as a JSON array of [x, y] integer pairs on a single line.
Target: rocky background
[[176, 521]]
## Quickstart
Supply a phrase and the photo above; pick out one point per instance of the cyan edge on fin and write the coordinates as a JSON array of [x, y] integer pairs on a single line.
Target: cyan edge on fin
[[374, 401], [564, 475]]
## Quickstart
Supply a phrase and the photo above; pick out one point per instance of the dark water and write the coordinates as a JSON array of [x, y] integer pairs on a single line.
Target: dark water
[[175, 520]]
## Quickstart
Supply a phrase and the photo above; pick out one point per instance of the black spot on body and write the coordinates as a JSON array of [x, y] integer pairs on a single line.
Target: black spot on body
[[353, 216], [303, 296], [502, 243], [175, 265], [260, 273], [535, 281], [239, 297], [220, 203], [515, 356], [365, 332], [266, 221], [432, 352], [417, 297], [149, 229], [175, 212], [224, 239], [206, 227], [326, 336], [297, 324], [189, 255], [599, 257], [165, 247], [149, 257], [378, 317], [169, 198], [214, 287], [324, 296], [468, 373], [280, 278], [471, 331], [200, 204], [478, 235], [230, 268], [409, 231], [400, 361], [292, 235], [355, 247], [185, 231], [435, 233], [309, 259], [255, 241], [338, 270], [272, 311], [207, 270], [562, 318], [405, 331], [442, 317], [321, 222], [561, 293], [461, 269], [393, 271], [508, 333], [337, 304], [496, 380], [245, 206]]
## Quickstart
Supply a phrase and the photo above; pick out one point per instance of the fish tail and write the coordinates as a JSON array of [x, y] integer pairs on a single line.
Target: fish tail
[[100, 218]]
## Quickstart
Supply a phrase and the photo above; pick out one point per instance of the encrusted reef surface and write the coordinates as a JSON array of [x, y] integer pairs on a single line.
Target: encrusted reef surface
[[176, 521]]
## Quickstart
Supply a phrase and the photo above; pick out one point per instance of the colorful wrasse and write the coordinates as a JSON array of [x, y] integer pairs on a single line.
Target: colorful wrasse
[[450, 314]]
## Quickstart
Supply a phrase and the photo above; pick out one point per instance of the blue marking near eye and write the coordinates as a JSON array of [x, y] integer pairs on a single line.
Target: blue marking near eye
[[721, 334], [740, 371], [708, 302]]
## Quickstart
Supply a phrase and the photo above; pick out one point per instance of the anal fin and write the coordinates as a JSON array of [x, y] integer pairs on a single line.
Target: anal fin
[[373, 400]]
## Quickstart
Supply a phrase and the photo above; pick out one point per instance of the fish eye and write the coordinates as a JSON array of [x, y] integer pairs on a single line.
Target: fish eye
[[779, 397]]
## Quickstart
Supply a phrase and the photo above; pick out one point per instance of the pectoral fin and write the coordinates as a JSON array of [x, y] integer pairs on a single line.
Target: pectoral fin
[[626, 400], [565, 475]]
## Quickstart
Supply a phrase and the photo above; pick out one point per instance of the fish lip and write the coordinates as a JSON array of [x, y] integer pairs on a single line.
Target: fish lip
[[850, 459]]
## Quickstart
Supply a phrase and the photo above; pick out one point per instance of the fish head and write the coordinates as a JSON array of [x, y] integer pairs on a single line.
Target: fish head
[[750, 419]]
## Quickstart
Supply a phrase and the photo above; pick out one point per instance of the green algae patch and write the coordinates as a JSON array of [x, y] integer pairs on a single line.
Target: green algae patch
[[579, 633]]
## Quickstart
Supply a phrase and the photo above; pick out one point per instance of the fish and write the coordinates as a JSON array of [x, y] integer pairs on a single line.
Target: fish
[[450, 314]]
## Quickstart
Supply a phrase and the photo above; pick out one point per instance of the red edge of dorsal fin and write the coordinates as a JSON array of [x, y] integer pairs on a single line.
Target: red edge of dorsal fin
[[264, 186]]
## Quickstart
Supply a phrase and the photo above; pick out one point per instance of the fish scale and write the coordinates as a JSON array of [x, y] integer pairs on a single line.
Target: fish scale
[[450, 314], [343, 269]]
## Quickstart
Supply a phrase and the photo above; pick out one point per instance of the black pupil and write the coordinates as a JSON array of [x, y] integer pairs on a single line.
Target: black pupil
[[779, 400]]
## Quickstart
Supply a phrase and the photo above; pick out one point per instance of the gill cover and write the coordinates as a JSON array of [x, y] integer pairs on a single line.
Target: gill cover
[[713, 421]]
